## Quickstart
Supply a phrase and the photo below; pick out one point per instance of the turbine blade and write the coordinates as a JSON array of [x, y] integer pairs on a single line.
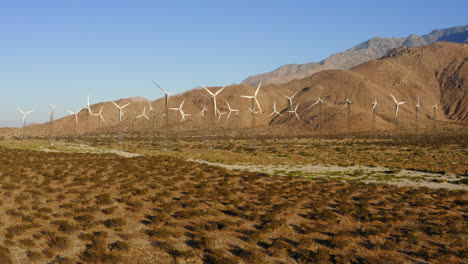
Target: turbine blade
[[394, 99], [258, 104], [220, 90], [116, 105], [258, 89], [212, 94]]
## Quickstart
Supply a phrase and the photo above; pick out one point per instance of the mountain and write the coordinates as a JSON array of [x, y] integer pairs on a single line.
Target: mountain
[[372, 49]]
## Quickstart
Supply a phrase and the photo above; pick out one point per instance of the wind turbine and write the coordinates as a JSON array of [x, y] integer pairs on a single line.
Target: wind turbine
[[319, 102], [417, 108], [204, 110], [100, 117], [76, 118], [166, 101], [51, 122], [231, 110], [436, 108], [295, 111], [24, 115], [374, 106], [253, 111], [144, 114], [75, 114], [89, 107], [181, 111], [348, 113], [275, 112], [290, 99], [397, 105], [254, 103], [215, 106], [220, 114], [121, 108]]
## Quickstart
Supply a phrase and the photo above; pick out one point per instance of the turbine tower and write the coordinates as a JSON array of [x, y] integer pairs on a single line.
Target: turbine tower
[[121, 108], [181, 111], [254, 103]]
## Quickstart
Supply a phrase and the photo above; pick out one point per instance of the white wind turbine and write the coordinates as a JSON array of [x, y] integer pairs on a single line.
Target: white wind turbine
[[24, 116], [52, 112], [436, 108], [275, 112], [75, 114], [89, 107], [51, 122], [319, 102], [295, 111], [99, 115], [290, 99], [166, 101], [144, 114], [374, 107], [417, 108], [254, 112], [348, 114], [215, 106], [397, 106], [121, 108], [254, 103], [181, 111], [231, 110], [204, 110], [220, 114], [76, 118]]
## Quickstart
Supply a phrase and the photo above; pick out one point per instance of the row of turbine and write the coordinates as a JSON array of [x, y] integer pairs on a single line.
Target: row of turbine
[[216, 111]]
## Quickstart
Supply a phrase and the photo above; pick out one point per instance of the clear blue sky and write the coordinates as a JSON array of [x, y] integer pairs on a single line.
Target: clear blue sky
[[60, 51]]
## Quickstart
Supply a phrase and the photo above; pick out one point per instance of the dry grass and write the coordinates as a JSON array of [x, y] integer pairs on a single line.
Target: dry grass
[[90, 208]]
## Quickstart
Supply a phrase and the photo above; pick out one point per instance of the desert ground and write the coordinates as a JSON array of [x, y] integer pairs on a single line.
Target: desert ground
[[254, 200]]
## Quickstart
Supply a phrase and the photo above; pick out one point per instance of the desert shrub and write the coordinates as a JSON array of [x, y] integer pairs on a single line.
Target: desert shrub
[[119, 246], [104, 199], [65, 226], [114, 223], [109, 210], [5, 256], [27, 242], [58, 242], [34, 255]]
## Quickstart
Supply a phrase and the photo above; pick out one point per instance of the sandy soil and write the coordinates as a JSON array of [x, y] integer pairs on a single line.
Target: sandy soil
[[404, 178]]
